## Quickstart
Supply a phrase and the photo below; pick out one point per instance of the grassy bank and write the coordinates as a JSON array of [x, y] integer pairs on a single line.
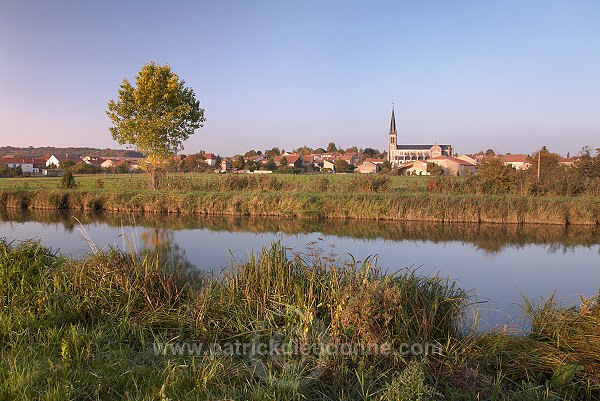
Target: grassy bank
[[114, 326], [390, 205]]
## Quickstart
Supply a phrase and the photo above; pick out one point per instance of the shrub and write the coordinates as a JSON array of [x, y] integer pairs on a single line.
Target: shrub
[[370, 183], [68, 181]]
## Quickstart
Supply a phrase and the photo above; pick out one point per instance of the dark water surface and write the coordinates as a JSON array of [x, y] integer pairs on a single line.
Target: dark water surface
[[499, 263]]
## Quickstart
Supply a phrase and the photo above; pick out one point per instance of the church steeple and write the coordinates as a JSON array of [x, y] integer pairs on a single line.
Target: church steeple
[[393, 141]]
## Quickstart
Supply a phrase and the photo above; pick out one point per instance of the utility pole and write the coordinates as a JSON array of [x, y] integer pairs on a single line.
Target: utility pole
[[539, 163]]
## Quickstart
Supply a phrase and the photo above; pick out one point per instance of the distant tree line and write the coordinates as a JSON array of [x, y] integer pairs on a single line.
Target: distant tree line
[[63, 153]]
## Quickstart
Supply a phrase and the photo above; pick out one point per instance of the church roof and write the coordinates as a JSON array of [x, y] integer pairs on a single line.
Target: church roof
[[421, 147], [393, 123]]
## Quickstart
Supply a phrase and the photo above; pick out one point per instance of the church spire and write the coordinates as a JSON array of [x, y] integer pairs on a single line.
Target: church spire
[[393, 122]]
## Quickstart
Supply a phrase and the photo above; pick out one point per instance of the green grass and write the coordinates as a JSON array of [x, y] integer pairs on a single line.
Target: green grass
[[89, 329], [353, 196], [139, 181]]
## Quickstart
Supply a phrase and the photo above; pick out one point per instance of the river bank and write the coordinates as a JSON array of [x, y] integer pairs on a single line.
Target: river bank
[[121, 326], [397, 206]]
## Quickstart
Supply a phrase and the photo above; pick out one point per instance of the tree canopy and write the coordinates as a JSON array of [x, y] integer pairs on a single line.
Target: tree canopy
[[155, 115]]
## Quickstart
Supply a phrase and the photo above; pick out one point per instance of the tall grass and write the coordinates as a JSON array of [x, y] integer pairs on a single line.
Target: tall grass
[[88, 329], [368, 206]]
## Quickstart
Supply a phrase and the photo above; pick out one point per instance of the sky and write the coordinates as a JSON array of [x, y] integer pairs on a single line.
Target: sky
[[512, 75]]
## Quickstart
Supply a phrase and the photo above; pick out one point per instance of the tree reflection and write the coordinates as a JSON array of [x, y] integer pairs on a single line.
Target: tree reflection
[[159, 243], [491, 238]]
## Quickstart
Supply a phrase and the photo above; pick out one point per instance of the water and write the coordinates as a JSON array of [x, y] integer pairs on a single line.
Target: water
[[498, 264]]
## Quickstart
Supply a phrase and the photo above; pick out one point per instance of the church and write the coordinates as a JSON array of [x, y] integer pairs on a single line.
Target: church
[[399, 154]]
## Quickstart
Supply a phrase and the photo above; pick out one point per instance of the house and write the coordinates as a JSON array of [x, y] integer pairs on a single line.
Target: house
[[454, 166], [350, 158], [417, 167], [308, 160], [225, 166], [179, 158], [517, 161], [25, 164], [567, 161], [368, 168], [38, 165], [210, 159], [468, 158], [292, 159], [96, 161], [51, 160], [328, 164], [108, 163], [258, 159], [375, 161]]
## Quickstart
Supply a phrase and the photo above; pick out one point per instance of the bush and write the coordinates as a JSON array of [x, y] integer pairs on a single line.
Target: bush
[[67, 181], [370, 183]]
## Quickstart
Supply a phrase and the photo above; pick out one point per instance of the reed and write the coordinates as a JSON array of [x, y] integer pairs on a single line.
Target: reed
[[89, 329], [581, 210]]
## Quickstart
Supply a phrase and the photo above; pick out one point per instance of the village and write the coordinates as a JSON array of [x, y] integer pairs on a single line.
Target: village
[[260, 163]]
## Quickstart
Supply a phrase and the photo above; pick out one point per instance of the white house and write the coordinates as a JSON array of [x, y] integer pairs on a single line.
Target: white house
[[14, 162], [328, 164], [210, 159], [418, 167], [51, 160], [518, 161]]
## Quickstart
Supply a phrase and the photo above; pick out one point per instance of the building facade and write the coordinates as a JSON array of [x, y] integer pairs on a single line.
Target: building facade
[[399, 154]]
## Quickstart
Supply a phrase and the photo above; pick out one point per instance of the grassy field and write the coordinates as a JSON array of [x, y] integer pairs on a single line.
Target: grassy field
[[140, 181], [116, 326], [373, 197]]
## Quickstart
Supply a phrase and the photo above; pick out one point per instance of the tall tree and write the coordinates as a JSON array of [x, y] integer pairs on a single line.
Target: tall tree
[[155, 115]]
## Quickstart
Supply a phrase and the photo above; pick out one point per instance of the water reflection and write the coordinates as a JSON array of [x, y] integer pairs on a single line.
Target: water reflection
[[158, 243], [490, 238]]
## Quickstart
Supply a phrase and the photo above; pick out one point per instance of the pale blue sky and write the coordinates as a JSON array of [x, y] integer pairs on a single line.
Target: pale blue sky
[[511, 75]]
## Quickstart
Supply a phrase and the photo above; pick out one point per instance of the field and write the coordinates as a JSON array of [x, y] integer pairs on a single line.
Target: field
[[139, 181], [121, 326], [353, 196]]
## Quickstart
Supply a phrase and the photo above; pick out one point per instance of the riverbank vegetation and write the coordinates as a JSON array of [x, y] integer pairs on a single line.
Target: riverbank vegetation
[[112, 325], [376, 197]]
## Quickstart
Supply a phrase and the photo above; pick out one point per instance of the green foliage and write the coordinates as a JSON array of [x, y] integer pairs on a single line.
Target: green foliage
[[10, 171], [67, 164], [410, 385], [156, 114], [494, 177], [370, 183], [84, 168], [435, 170], [589, 165], [67, 181], [341, 166]]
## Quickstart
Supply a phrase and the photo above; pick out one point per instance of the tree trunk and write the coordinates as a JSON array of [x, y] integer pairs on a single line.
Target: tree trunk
[[154, 178]]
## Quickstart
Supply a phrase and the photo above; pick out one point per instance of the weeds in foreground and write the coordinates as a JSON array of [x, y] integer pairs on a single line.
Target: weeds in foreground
[[115, 325]]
